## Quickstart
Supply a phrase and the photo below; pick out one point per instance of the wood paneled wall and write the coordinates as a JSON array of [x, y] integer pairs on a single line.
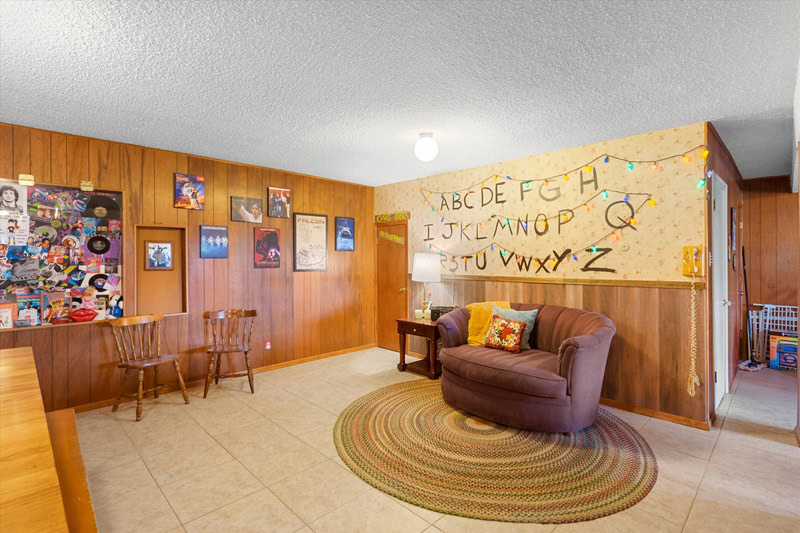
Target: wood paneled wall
[[648, 363], [302, 314], [770, 237]]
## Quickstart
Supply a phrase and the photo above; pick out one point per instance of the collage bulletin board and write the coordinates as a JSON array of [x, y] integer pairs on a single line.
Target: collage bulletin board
[[60, 255]]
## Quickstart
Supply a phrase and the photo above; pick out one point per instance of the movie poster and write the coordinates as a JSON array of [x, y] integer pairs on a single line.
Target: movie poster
[[310, 242], [345, 234], [246, 209], [267, 249], [279, 202], [213, 242], [189, 192]]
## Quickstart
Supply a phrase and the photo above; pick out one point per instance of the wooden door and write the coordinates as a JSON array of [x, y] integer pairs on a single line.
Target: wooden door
[[392, 280]]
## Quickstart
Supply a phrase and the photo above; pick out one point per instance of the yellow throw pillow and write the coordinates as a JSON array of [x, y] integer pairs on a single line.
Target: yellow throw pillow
[[480, 317]]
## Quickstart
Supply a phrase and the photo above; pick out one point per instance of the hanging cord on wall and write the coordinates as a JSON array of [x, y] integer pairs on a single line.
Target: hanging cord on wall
[[694, 380]]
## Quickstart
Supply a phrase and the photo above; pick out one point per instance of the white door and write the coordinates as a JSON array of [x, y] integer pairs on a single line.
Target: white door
[[719, 273]]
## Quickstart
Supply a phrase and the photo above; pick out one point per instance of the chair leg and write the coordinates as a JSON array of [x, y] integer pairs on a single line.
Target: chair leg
[[180, 380], [219, 362], [121, 388], [249, 373], [155, 381], [139, 395], [209, 370]]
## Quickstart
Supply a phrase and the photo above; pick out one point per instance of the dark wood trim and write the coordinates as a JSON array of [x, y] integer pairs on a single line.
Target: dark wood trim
[[706, 426], [711, 129]]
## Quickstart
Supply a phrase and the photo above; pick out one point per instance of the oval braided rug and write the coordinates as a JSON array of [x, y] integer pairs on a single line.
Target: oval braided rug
[[406, 441]]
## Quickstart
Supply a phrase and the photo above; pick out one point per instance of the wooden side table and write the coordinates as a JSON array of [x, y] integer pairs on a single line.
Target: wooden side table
[[421, 327]]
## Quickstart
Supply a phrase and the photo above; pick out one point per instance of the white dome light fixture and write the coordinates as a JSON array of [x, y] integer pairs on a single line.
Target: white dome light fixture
[[426, 148]]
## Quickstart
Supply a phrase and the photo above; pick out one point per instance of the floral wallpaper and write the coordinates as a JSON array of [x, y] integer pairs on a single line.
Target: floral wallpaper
[[620, 209]]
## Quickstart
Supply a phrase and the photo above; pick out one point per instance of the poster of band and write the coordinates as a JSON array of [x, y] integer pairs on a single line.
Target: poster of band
[[60, 255]]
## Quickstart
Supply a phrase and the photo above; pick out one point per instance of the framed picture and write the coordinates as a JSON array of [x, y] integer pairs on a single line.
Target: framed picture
[[279, 202], [246, 209], [190, 192], [310, 242], [345, 234], [267, 248], [213, 242], [157, 255]]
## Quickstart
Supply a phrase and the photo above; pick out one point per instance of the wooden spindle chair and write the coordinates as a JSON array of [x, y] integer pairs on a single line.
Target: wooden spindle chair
[[138, 341], [231, 332]]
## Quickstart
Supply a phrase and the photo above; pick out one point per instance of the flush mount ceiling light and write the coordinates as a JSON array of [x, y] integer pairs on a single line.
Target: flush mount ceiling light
[[426, 147]]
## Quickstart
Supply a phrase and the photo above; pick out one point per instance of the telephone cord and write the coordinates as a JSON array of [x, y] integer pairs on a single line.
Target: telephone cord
[[694, 380]]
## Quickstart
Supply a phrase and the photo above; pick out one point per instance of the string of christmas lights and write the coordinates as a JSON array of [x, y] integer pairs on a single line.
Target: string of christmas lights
[[562, 212], [589, 248], [655, 165]]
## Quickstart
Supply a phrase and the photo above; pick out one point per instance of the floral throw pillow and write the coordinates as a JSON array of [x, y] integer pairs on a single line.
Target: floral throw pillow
[[505, 334]]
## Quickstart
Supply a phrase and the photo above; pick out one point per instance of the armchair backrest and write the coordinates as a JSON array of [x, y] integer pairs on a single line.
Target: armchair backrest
[[555, 324]]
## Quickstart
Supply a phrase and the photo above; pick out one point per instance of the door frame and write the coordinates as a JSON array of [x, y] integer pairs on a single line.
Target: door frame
[[375, 237], [719, 279]]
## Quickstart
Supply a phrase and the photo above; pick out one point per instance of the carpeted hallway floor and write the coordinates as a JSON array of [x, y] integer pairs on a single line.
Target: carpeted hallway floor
[[267, 461]]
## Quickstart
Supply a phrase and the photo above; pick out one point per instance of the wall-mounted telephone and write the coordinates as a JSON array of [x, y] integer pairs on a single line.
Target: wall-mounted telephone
[[692, 264]]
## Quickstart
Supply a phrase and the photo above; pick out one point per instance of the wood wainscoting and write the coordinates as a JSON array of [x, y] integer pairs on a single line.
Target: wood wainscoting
[[770, 236], [301, 314], [648, 364]]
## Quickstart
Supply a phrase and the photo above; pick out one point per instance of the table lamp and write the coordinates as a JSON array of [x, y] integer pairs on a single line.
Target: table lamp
[[427, 269]]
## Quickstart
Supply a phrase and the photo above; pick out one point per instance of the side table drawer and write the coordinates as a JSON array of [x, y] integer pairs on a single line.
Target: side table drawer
[[410, 328]]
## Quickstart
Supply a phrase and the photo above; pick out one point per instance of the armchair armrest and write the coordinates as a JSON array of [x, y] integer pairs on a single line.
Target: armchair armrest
[[453, 328], [584, 356]]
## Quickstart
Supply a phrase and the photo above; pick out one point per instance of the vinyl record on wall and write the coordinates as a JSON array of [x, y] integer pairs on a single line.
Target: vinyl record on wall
[[98, 245]]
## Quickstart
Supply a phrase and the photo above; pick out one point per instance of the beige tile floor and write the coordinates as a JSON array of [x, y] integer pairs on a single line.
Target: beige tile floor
[[266, 462]]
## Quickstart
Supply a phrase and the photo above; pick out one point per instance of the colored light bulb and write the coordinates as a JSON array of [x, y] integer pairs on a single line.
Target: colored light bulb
[[630, 166], [686, 158], [605, 194], [594, 249], [566, 177], [704, 154], [701, 184], [626, 198], [651, 202], [588, 168], [575, 257], [605, 159], [654, 166]]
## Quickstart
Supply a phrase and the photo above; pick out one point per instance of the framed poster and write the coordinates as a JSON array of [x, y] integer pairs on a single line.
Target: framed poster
[[345, 234], [267, 248], [279, 202], [158, 255], [310, 242], [190, 192], [246, 209], [213, 242]]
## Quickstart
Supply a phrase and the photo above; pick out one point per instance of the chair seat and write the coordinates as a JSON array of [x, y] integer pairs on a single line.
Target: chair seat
[[149, 361], [532, 372], [230, 348]]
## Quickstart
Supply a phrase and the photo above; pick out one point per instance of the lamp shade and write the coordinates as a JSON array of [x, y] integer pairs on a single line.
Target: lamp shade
[[427, 268]]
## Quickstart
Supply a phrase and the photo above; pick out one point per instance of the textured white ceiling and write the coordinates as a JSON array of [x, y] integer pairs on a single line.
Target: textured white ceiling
[[342, 88]]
